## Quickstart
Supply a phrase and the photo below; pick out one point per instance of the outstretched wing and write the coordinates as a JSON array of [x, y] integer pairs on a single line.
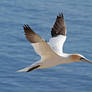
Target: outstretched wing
[[40, 46], [58, 34], [59, 26]]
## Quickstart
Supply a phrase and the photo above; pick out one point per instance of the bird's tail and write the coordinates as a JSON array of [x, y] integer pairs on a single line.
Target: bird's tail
[[28, 69]]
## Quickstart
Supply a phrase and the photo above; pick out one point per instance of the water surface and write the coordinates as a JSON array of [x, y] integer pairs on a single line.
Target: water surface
[[16, 52]]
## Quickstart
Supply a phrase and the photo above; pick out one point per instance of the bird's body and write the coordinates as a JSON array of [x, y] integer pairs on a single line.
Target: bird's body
[[52, 52]]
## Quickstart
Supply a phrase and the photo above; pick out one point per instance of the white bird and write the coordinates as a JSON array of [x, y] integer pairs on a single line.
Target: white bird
[[52, 52]]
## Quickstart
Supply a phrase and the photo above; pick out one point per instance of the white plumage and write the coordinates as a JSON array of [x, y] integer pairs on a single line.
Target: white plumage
[[52, 52], [56, 43]]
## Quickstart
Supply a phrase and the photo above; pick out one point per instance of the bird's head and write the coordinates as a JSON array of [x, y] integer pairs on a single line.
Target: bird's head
[[78, 57]]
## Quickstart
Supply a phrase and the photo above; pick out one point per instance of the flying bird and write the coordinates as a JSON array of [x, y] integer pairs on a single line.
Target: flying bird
[[51, 52]]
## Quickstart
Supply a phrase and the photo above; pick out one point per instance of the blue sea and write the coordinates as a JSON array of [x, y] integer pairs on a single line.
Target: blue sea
[[16, 52]]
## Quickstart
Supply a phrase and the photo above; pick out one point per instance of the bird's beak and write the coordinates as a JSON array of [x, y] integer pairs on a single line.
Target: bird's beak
[[85, 60]]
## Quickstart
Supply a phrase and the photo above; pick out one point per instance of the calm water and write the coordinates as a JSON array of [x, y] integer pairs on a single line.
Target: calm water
[[16, 52]]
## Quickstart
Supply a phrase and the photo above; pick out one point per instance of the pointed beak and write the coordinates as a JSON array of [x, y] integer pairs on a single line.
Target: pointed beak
[[85, 60]]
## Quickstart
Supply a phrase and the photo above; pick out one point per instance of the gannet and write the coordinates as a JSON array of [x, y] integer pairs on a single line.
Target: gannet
[[51, 52]]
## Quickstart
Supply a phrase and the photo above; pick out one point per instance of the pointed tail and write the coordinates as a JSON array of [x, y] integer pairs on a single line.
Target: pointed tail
[[28, 69]]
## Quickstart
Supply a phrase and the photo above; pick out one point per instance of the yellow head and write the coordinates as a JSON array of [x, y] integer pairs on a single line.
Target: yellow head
[[78, 57], [75, 57]]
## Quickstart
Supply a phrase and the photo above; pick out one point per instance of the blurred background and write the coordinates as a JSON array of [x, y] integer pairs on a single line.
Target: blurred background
[[16, 52]]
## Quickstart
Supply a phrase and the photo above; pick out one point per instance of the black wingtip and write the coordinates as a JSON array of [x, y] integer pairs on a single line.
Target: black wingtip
[[33, 68], [60, 15], [26, 26], [59, 26]]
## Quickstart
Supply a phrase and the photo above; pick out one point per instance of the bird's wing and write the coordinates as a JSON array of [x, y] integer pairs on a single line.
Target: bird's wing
[[58, 34], [59, 26], [40, 46]]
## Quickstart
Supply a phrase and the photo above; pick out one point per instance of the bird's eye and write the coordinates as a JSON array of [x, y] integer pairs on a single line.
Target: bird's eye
[[81, 58]]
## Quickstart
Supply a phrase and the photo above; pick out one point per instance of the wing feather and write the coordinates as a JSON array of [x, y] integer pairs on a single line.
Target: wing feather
[[58, 33], [59, 26], [40, 46]]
